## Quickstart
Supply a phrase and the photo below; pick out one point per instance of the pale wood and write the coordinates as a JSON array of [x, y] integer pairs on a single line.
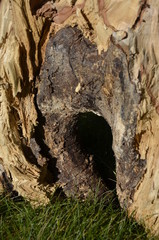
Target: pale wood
[[132, 26]]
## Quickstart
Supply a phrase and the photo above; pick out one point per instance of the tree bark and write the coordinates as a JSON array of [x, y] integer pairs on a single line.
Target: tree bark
[[61, 60]]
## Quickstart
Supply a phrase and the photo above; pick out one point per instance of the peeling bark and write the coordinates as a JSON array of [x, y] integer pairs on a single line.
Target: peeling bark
[[61, 59]]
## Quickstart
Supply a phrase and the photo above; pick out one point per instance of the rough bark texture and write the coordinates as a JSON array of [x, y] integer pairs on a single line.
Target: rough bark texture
[[61, 59], [70, 56]]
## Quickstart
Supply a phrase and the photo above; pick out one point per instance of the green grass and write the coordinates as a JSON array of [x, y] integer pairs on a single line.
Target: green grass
[[67, 219]]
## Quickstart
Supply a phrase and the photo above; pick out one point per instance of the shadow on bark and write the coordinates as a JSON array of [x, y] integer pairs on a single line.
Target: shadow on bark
[[49, 172]]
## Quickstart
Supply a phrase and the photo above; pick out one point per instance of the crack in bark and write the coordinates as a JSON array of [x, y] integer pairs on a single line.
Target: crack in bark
[[142, 8], [87, 20]]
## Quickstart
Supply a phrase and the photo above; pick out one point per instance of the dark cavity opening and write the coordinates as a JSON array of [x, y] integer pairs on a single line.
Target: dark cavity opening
[[95, 138]]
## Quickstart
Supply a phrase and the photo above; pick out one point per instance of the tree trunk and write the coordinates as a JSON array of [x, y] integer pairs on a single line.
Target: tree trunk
[[75, 76]]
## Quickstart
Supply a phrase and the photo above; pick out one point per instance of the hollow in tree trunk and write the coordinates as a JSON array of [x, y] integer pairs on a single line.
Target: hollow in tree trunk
[[79, 98]]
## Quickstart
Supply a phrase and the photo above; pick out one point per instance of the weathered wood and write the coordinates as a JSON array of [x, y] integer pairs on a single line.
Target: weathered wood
[[21, 48], [75, 78], [62, 58]]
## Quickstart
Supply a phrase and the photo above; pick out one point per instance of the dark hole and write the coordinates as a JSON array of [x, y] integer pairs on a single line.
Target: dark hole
[[94, 136]]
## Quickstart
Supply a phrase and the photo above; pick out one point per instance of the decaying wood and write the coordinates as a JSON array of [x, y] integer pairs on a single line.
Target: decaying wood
[[70, 56], [61, 58]]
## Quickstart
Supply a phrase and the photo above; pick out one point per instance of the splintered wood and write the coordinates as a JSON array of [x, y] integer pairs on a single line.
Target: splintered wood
[[65, 57]]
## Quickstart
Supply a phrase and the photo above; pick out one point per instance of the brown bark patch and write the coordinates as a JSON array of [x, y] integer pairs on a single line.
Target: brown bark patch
[[74, 80]]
